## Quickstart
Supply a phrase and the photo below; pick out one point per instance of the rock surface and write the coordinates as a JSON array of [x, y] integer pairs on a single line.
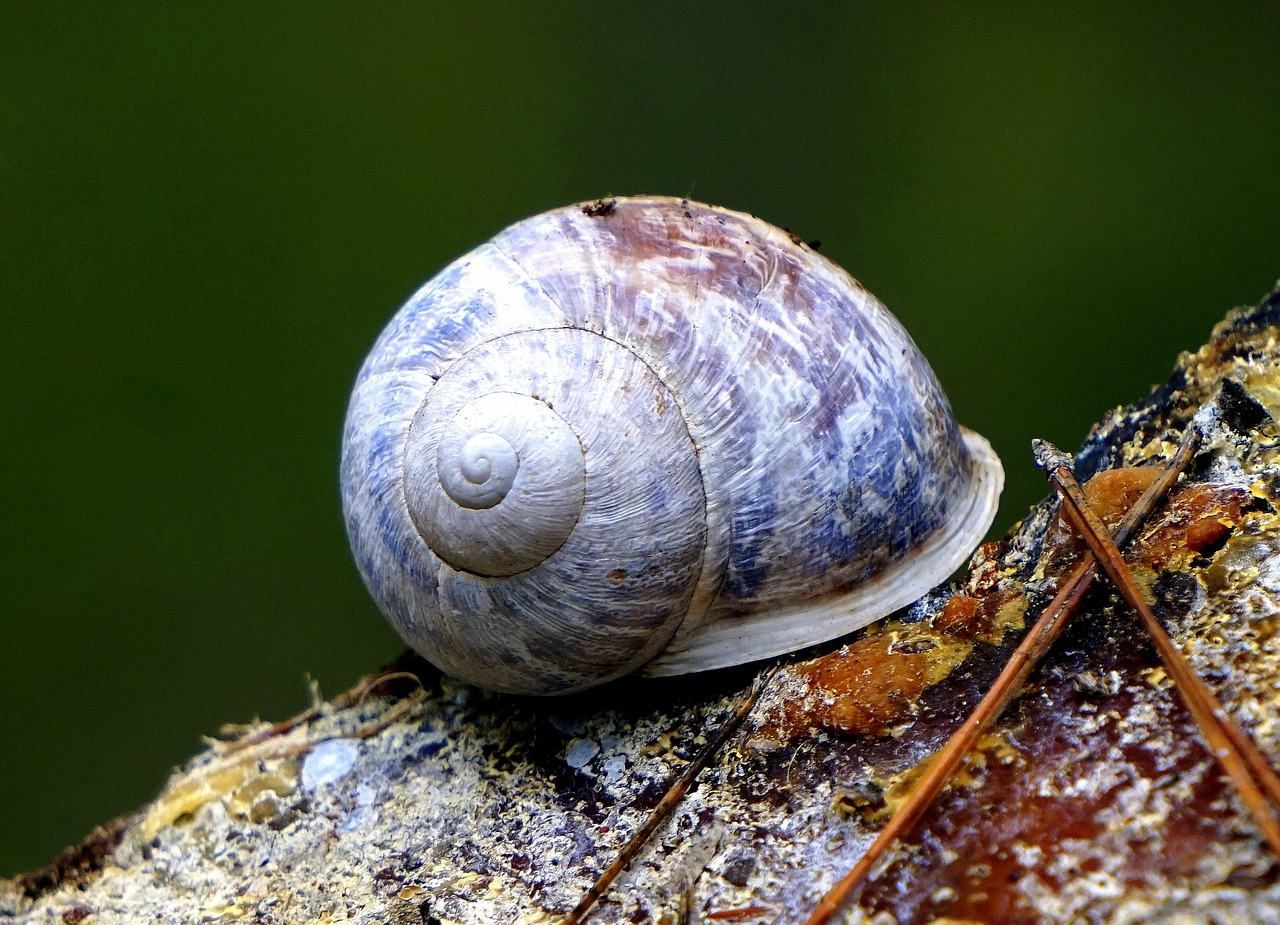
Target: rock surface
[[1093, 801]]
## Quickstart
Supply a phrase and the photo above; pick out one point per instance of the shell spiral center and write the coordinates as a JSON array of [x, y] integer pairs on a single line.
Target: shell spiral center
[[482, 473], [508, 483]]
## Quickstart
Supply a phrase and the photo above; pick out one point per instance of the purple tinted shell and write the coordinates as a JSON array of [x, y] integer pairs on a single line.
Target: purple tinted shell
[[750, 454]]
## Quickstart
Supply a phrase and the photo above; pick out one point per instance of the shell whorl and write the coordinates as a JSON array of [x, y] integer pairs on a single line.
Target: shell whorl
[[592, 454], [661, 435]]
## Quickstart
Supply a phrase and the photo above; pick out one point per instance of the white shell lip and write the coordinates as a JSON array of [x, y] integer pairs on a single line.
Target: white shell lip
[[780, 630]]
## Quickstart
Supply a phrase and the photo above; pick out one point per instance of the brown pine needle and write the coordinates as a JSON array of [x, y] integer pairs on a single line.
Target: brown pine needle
[[669, 800], [1232, 748], [1005, 688]]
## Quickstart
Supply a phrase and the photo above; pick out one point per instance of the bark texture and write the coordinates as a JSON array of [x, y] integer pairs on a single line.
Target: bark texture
[[1093, 801]]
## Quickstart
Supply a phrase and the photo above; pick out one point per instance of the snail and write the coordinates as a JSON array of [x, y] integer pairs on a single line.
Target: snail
[[649, 435]]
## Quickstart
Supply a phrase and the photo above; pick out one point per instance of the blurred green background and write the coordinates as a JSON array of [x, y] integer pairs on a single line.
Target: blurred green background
[[208, 214]]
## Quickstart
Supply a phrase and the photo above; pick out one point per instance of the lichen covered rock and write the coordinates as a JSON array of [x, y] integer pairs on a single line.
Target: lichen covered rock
[[1094, 799]]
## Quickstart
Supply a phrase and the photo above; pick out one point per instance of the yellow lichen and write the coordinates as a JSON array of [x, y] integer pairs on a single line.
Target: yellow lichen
[[238, 785]]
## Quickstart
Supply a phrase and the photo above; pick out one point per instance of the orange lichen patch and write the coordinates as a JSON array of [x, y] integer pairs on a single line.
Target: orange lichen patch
[[1207, 533], [873, 684], [1197, 521], [986, 618], [1110, 493], [959, 616], [868, 687], [1113, 491], [867, 691]]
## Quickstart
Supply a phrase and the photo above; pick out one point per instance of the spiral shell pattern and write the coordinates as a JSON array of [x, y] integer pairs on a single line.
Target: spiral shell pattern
[[657, 434]]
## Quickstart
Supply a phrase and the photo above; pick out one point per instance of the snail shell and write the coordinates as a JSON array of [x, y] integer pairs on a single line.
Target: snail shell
[[649, 433]]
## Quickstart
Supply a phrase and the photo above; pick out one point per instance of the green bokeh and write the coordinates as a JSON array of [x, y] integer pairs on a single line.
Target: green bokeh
[[207, 215]]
